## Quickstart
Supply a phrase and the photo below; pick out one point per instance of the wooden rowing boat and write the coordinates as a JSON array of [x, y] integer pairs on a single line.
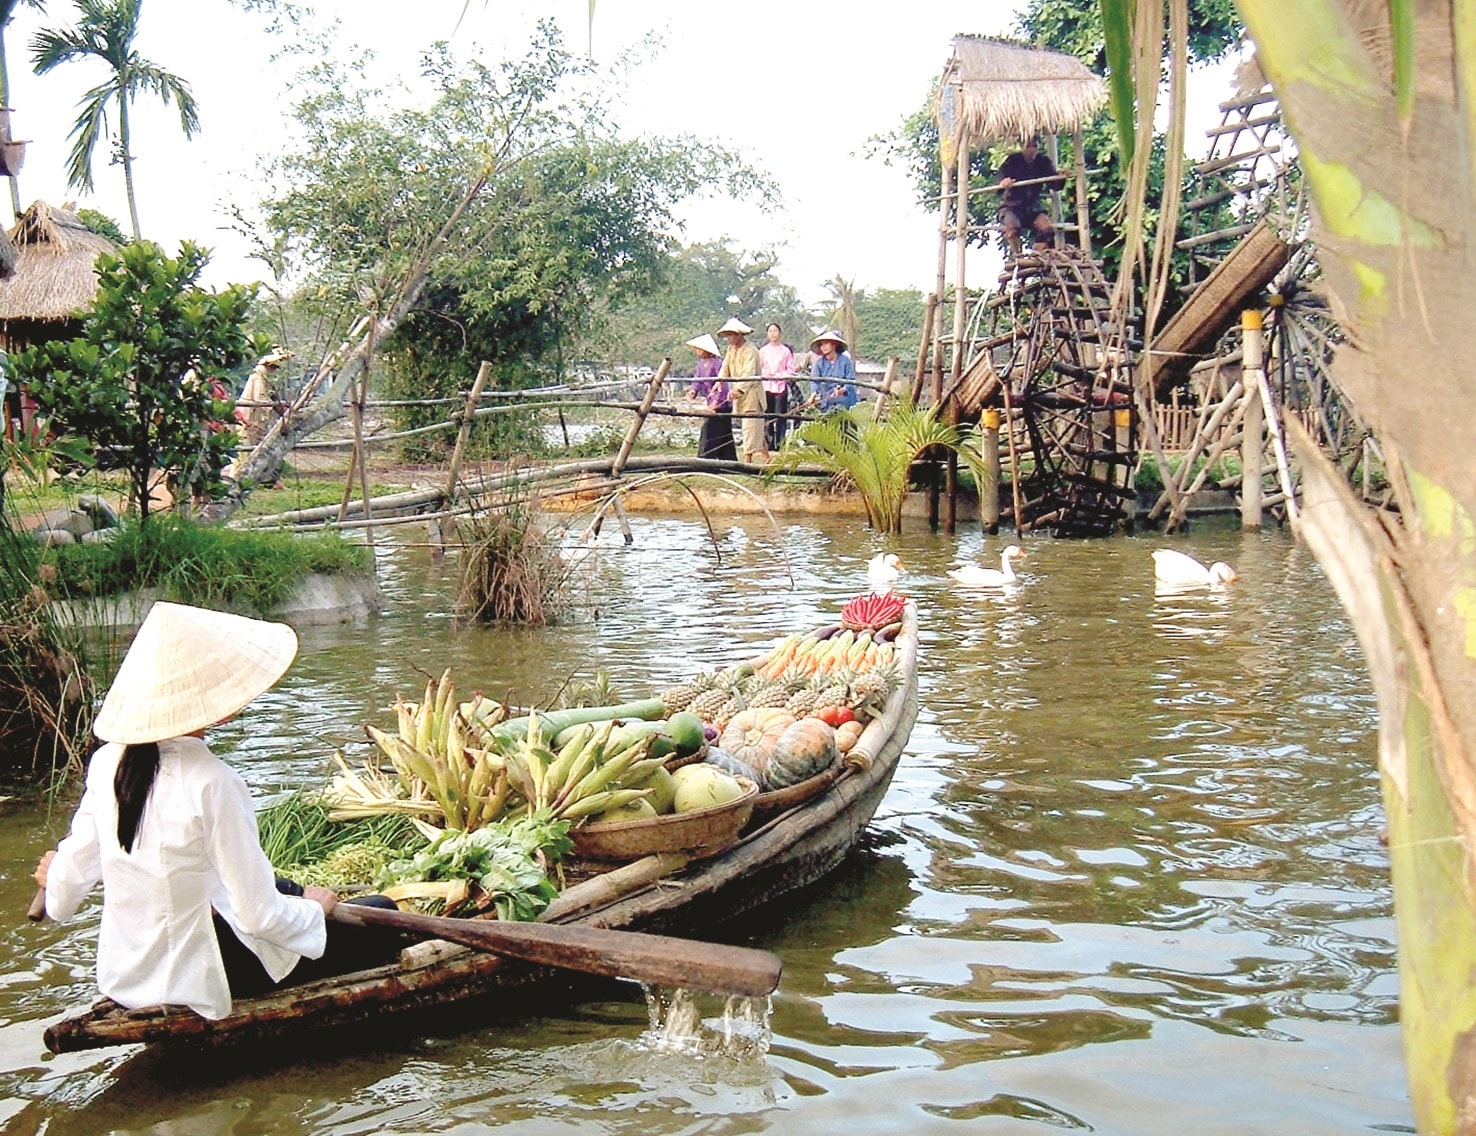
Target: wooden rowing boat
[[797, 836]]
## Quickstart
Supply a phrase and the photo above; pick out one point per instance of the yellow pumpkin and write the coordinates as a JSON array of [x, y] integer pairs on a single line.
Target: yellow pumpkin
[[752, 734]]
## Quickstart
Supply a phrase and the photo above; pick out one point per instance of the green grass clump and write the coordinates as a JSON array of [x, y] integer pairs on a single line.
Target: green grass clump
[[200, 564]]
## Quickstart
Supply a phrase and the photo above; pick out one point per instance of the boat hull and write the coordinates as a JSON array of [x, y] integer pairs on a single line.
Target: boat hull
[[781, 855]]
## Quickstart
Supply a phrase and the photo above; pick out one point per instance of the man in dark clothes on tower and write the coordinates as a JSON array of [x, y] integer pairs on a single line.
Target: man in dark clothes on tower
[[1021, 203]]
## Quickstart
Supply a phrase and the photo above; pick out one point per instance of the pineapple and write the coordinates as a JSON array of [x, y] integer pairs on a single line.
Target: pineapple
[[802, 702], [728, 710], [769, 694], [707, 704], [730, 677], [681, 697]]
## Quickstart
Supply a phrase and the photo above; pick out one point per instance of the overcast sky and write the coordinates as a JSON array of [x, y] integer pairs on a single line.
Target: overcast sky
[[798, 85]]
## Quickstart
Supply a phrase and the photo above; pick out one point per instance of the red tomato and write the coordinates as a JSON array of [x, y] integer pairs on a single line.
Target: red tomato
[[843, 715]]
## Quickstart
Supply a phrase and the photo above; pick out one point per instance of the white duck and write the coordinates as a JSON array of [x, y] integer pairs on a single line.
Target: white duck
[[882, 571], [1181, 571], [972, 576]]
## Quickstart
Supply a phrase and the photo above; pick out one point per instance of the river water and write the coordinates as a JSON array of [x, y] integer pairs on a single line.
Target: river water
[[1128, 878]]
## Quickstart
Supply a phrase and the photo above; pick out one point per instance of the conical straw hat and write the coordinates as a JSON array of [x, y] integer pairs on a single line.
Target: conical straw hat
[[735, 324], [705, 343], [189, 668]]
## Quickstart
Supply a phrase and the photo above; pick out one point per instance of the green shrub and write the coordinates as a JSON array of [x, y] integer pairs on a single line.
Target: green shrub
[[200, 564]]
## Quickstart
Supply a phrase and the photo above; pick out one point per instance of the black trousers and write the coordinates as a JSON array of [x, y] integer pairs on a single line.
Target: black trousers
[[776, 425], [349, 949]]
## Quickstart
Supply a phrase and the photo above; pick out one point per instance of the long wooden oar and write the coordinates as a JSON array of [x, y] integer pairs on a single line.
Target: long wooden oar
[[656, 959]]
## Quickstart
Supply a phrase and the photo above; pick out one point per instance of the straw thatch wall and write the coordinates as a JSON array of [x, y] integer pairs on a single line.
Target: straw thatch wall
[[995, 89], [54, 280]]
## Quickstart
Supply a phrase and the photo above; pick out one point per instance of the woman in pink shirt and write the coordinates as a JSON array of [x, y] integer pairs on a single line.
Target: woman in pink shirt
[[776, 363]]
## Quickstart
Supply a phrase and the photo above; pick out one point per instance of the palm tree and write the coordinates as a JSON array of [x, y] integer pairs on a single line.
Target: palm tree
[[105, 30], [842, 315], [1378, 100], [876, 455], [7, 11]]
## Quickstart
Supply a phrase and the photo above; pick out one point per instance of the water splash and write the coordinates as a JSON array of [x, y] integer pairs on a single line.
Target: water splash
[[677, 1025]]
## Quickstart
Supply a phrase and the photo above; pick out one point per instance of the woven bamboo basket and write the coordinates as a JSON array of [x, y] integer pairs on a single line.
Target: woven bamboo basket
[[704, 832]]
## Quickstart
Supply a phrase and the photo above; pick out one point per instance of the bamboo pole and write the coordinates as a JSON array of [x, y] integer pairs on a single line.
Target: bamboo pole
[[960, 323], [1083, 212], [989, 485], [888, 377], [1253, 444], [1009, 425], [920, 375], [459, 451], [640, 419]]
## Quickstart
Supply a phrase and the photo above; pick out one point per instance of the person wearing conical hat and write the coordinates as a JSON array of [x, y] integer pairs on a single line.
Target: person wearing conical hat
[[833, 372], [715, 397], [742, 367], [192, 912]]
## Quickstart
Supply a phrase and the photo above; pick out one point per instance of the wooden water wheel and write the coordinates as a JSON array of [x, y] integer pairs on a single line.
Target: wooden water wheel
[[1065, 383]]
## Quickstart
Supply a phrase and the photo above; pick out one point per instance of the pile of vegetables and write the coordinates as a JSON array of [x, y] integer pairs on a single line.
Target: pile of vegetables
[[462, 809]]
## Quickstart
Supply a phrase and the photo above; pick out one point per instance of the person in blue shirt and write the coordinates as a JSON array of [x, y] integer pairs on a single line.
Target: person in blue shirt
[[834, 373]]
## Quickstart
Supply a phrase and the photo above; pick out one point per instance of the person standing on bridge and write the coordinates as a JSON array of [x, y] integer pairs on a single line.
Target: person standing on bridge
[[1021, 205], [741, 366]]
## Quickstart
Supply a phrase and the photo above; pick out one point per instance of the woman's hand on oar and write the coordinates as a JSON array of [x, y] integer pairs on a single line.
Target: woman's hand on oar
[[37, 911], [655, 959]]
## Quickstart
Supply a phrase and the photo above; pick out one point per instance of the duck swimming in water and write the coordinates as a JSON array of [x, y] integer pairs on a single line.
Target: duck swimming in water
[[973, 576], [882, 571], [1180, 570]]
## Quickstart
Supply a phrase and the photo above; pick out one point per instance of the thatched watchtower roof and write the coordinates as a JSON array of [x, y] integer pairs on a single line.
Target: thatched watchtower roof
[[994, 89], [54, 279]]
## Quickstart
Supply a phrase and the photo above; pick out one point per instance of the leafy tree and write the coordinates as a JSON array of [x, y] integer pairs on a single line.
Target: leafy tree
[[841, 313], [889, 322], [106, 30], [700, 287], [571, 222], [8, 8], [135, 382], [573, 232]]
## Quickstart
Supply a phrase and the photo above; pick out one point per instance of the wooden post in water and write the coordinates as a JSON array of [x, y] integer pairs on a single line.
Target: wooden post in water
[[989, 486], [960, 317], [1253, 441], [618, 466], [459, 451], [640, 419], [889, 376]]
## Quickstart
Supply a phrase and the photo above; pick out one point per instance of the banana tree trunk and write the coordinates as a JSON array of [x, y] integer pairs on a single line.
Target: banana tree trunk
[[1379, 97]]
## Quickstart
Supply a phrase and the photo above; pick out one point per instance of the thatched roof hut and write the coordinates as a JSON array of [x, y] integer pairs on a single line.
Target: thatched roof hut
[[54, 280], [994, 89]]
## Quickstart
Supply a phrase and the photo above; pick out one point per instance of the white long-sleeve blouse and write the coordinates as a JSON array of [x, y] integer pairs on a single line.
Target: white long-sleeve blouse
[[196, 849]]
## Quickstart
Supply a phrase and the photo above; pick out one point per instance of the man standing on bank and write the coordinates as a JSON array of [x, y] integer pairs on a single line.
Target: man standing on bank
[[1021, 203]]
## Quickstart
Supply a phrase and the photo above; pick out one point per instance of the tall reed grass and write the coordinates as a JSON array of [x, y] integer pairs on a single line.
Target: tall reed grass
[[511, 567], [45, 689]]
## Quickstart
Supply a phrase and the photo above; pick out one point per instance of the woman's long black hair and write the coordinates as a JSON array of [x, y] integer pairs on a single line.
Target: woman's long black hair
[[132, 783]]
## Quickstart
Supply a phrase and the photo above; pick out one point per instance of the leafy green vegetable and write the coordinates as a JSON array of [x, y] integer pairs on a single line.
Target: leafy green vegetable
[[502, 858]]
